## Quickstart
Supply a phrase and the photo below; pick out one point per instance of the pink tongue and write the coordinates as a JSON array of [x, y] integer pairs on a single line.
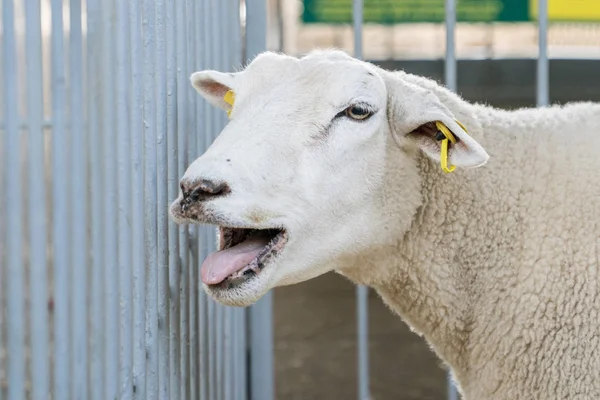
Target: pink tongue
[[221, 264]]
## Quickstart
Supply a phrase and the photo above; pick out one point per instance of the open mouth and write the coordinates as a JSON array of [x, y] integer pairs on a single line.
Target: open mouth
[[243, 254]]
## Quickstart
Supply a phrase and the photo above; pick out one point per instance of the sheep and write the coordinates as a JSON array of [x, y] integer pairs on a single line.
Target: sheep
[[329, 163]]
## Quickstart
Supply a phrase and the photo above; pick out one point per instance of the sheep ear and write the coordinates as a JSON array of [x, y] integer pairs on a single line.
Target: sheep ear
[[416, 113], [213, 86], [463, 151]]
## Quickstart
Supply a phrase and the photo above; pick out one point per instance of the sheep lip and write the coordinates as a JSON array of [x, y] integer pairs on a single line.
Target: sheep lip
[[230, 237]]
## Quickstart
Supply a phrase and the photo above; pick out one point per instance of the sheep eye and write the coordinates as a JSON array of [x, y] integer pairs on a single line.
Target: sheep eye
[[358, 113]]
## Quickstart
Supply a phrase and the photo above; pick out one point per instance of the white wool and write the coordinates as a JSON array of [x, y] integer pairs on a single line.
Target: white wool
[[495, 264]]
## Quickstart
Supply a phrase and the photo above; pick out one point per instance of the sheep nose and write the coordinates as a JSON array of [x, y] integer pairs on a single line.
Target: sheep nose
[[202, 190]]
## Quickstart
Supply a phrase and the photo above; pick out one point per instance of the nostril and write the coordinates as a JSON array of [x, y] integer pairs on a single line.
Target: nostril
[[203, 189], [212, 188]]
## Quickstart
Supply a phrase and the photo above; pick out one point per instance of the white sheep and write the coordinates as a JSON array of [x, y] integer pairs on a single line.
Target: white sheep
[[330, 163]]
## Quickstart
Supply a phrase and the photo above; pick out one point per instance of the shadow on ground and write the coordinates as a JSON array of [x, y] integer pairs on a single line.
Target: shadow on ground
[[315, 347]]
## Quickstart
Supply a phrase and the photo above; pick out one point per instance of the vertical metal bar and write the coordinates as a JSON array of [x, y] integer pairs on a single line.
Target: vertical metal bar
[[138, 210], [210, 327], [78, 209], [173, 187], [207, 327], [543, 96], [231, 24], [216, 114], [452, 392], [239, 321], [219, 51], [219, 346], [362, 295], [150, 193], [241, 360], [60, 190], [183, 91], [111, 295], [450, 59], [36, 195], [124, 199], [227, 366], [14, 200], [193, 9], [94, 54], [229, 313], [451, 83], [261, 314], [3, 352], [161, 201], [222, 333]]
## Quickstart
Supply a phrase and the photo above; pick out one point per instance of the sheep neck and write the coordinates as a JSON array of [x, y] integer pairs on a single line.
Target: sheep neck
[[426, 275]]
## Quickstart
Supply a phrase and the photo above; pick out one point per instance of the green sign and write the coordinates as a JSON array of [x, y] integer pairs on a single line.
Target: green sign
[[402, 11]]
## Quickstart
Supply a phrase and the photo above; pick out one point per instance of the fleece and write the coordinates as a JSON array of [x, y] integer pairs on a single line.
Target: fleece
[[499, 269]]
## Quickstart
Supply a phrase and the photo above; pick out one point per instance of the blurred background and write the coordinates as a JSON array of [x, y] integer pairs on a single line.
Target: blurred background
[[92, 81]]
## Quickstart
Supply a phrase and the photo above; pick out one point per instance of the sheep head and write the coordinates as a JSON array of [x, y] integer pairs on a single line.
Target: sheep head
[[308, 172]]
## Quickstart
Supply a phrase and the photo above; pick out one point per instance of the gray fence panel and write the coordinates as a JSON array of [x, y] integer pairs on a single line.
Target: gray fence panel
[[112, 306]]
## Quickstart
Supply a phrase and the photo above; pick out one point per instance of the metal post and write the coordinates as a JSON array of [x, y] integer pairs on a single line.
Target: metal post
[[450, 59], [192, 11], [173, 188], [226, 371], [36, 201], [14, 200], [60, 231], [161, 201], [150, 193], [124, 210], [238, 349], [137, 214], [78, 209], [94, 54], [543, 97], [451, 83], [261, 314], [210, 115], [362, 294], [183, 95], [111, 296], [218, 56]]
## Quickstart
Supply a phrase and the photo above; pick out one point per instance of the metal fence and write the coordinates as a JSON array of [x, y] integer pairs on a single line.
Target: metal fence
[[99, 294]]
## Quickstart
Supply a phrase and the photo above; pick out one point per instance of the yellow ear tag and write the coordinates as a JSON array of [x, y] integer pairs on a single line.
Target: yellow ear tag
[[449, 137], [229, 98]]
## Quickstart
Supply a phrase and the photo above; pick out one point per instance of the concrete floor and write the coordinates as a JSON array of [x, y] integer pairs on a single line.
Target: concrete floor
[[315, 347]]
